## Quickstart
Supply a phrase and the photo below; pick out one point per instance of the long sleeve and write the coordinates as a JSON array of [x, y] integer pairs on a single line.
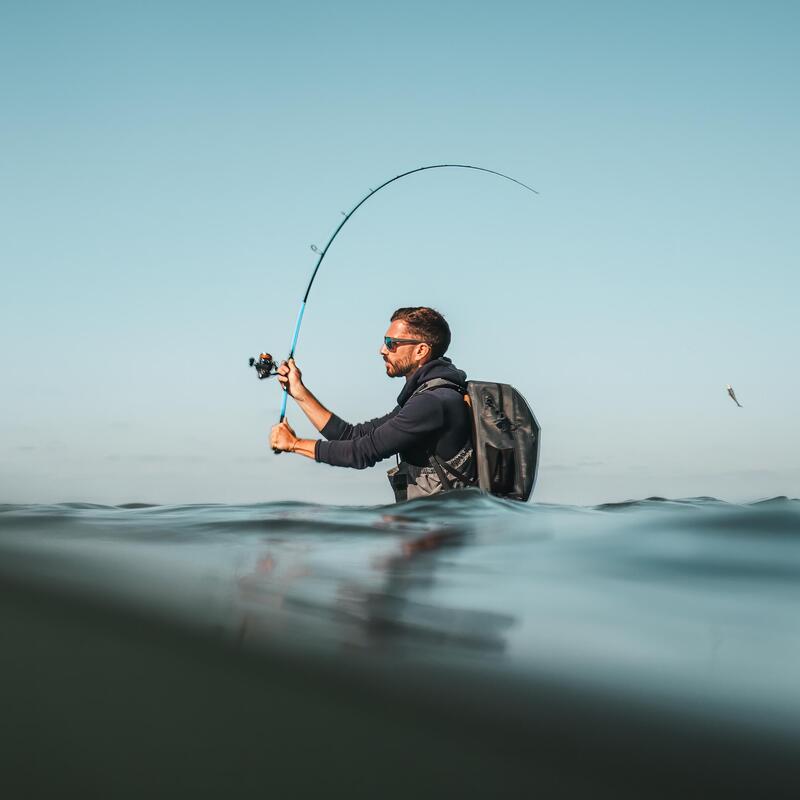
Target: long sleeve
[[373, 441], [336, 429]]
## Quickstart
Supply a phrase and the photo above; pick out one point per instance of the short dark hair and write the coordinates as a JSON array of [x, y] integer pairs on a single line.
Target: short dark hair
[[428, 324]]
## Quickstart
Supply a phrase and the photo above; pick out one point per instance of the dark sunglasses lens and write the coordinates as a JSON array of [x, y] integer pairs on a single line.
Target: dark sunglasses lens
[[391, 344]]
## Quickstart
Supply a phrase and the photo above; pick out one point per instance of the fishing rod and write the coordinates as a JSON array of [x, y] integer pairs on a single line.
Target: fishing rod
[[265, 365]]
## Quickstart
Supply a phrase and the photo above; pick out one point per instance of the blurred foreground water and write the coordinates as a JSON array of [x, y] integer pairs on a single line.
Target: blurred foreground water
[[459, 645]]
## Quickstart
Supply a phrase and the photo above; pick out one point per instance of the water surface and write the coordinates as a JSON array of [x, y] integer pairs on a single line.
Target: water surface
[[638, 625]]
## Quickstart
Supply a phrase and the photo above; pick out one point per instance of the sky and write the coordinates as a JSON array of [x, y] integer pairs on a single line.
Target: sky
[[166, 166]]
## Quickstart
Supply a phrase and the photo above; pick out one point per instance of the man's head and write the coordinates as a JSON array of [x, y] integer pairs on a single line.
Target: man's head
[[425, 335]]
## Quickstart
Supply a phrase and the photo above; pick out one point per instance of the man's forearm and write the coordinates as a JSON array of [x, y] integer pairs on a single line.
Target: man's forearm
[[317, 414], [305, 447]]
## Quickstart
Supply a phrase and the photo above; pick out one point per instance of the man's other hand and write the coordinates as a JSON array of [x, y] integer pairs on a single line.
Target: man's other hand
[[282, 437], [291, 379]]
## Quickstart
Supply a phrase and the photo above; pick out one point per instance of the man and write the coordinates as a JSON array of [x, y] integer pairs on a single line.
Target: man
[[430, 428]]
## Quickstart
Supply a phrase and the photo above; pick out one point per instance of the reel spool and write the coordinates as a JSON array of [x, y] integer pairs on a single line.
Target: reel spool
[[264, 365]]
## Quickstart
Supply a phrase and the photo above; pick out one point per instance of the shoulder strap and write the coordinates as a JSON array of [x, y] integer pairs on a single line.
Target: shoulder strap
[[439, 466], [435, 383]]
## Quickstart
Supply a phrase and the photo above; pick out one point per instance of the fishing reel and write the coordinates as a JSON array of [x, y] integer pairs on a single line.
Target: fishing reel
[[264, 365]]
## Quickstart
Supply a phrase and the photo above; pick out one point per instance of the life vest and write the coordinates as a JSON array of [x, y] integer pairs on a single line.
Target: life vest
[[504, 455]]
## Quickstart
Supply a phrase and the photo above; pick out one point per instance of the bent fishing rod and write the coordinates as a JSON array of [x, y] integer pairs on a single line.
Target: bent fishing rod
[[265, 365]]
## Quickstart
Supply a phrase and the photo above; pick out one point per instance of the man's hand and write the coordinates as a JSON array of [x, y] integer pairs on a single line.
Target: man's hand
[[282, 437], [291, 379]]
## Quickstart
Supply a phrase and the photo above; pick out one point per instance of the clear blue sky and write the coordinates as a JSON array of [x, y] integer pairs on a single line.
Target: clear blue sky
[[165, 167]]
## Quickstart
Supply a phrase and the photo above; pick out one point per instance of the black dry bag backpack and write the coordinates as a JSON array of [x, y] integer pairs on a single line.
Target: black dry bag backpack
[[506, 439]]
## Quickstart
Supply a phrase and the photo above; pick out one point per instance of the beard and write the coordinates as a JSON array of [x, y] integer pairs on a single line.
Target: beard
[[399, 368]]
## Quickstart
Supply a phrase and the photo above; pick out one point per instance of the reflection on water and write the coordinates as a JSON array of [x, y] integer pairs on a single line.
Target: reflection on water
[[697, 592], [369, 605], [688, 606], [647, 580]]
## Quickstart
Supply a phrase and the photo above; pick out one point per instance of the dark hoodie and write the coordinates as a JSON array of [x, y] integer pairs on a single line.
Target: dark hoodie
[[436, 420]]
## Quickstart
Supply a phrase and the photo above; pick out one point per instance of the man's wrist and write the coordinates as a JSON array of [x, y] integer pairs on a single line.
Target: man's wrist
[[300, 396], [304, 447]]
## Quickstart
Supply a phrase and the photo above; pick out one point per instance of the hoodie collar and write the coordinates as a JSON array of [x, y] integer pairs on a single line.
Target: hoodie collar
[[438, 368]]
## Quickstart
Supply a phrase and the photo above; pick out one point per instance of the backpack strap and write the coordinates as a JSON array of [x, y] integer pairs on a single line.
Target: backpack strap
[[434, 462], [439, 466], [435, 383]]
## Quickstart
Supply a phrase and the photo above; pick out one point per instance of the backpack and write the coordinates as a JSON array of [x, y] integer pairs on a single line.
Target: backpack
[[505, 439]]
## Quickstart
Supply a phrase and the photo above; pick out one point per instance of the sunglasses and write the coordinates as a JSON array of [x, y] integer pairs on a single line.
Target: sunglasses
[[392, 344]]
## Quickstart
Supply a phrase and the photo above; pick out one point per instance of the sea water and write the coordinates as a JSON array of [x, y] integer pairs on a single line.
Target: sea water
[[459, 644]]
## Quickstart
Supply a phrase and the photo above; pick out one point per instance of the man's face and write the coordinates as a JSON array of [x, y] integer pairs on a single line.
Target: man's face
[[407, 357]]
